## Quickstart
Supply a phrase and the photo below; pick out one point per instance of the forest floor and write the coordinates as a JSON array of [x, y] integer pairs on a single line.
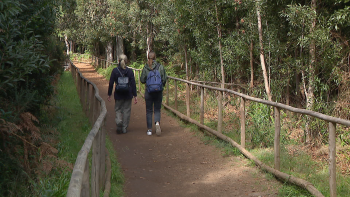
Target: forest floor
[[177, 163]]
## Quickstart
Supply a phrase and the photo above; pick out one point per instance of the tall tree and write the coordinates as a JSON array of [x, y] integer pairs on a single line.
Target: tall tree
[[262, 54]]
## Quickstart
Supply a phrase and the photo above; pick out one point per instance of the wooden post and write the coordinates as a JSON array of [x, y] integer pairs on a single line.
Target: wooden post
[[201, 117], [139, 80], [98, 109], [277, 142], [84, 95], [79, 86], [243, 122], [188, 100], [81, 91], [167, 94], [332, 160], [96, 112], [92, 98], [96, 154], [85, 189], [175, 84], [87, 110], [219, 128], [102, 155]]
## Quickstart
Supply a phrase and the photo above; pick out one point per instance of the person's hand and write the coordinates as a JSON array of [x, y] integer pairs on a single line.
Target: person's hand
[[109, 98], [135, 100]]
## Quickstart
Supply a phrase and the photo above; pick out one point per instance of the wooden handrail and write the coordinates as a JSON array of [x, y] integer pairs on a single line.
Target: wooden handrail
[[96, 110], [273, 104]]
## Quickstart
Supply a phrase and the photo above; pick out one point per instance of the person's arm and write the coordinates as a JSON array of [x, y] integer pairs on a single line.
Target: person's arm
[[132, 83], [143, 76], [110, 86], [163, 74]]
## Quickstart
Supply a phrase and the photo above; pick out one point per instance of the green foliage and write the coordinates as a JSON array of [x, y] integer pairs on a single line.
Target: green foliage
[[260, 126], [72, 126], [299, 164], [29, 58], [117, 178], [106, 72], [25, 63]]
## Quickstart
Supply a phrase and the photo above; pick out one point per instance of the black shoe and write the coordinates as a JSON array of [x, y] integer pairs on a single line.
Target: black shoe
[[119, 131]]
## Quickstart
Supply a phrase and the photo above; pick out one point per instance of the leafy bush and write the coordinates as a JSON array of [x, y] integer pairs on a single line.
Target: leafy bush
[[29, 57]]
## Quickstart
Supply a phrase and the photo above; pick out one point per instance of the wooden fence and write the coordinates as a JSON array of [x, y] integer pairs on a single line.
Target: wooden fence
[[95, 108], [332, 121]]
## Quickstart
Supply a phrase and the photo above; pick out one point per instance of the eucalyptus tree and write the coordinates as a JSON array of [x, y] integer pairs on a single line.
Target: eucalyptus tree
[[91, 28], [314, 30], [67, 21]]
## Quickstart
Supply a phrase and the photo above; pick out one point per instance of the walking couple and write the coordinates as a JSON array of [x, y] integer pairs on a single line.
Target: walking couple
[[153, 76]]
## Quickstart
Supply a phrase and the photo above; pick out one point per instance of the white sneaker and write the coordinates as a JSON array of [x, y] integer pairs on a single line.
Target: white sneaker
[[149, 132], [158, 130]]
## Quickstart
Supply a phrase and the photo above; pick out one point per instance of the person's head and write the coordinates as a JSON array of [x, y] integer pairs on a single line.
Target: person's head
[[151, 57], [123, 61]]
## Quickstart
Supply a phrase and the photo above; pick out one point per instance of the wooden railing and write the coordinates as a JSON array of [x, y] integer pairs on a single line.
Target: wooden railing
[[332, 121], [95, 108], [277, 107]]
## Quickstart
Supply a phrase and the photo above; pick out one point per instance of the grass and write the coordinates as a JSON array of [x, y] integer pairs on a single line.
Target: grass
[[72, 128], [117, 178], [301, 165]]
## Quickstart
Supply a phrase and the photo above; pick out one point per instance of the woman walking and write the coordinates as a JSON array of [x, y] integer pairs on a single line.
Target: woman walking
[[154, 76], [125, 90]]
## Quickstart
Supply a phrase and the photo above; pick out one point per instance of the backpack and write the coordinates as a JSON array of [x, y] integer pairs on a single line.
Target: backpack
[[122, 83], [154, 80]]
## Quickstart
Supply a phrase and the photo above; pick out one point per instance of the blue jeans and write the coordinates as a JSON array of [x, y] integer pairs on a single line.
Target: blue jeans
[[153, 104]]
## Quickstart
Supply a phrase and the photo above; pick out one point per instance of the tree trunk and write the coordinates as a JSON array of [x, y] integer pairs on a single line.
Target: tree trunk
[[220, 107], [311, 73], [71, 46], [133, 53], [149, 38], [67, 43], [97, 49], [109, 51], [119, 47], [251, 64], [262, 56], [288, 89], [187, 85]]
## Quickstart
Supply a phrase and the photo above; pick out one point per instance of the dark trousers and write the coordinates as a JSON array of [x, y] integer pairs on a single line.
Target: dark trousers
[[153, 104], [122, 113]]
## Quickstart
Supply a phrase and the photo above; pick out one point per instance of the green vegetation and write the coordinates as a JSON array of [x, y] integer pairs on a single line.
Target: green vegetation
[[30, 58], [304, 45], [73, 127]]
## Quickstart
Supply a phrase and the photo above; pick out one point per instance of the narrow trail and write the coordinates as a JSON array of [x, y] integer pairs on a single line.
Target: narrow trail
[[177, 163]]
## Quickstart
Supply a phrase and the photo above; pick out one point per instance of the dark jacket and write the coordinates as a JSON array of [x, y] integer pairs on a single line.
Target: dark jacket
[[146, 70], [114, 79]]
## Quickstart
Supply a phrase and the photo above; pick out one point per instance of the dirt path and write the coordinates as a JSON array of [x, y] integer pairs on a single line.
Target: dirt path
[[176, 164]]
